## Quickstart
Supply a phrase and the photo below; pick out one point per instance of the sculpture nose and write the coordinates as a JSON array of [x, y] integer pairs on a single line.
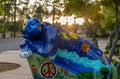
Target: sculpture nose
[[40, 29]]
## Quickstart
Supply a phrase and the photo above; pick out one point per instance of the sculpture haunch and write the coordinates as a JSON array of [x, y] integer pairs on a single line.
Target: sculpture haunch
[[64, 48]]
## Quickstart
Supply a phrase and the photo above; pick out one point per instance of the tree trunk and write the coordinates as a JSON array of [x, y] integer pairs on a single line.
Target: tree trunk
[[53, 14], [4, 27], [113, 46], [91, 33], [118, 66], [95, 41], [15, 19], [110, 39], [117, 30]]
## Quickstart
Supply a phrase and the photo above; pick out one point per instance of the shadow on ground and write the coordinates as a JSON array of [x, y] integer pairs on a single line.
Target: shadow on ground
[[8, 66]]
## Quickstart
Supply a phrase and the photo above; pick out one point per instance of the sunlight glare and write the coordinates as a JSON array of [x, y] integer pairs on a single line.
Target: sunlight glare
[[32, 1], [70, 20], [47, 20], [63, 20], [80, 21]]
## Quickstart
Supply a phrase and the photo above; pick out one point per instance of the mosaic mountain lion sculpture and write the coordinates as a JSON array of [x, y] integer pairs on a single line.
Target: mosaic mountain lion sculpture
[[65, 49]]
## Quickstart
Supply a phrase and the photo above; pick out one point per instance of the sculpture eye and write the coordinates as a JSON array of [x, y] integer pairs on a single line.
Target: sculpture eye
[[32, 24]]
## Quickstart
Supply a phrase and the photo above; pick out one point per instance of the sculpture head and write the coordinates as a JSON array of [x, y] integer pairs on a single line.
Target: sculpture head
[[32, 27]]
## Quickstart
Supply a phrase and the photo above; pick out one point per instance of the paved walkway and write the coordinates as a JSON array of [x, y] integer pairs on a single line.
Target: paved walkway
[[22, 72]]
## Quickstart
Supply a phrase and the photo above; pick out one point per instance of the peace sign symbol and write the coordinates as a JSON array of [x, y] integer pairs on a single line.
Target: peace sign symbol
[[48, 70]]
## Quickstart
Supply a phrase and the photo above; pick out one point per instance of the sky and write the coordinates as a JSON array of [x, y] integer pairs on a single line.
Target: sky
[[32, 1], [63, 20]]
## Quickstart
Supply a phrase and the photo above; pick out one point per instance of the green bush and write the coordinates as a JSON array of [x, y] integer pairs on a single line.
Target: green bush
[[12, 27], [115, 62], [117, 49], [118, 73], [1, 27]]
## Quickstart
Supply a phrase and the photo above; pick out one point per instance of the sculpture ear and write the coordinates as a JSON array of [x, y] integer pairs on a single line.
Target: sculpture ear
[[36, 20], [28, 17]]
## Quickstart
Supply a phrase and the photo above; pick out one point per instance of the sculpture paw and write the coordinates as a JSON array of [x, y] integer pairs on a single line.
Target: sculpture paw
[[25, 54]]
